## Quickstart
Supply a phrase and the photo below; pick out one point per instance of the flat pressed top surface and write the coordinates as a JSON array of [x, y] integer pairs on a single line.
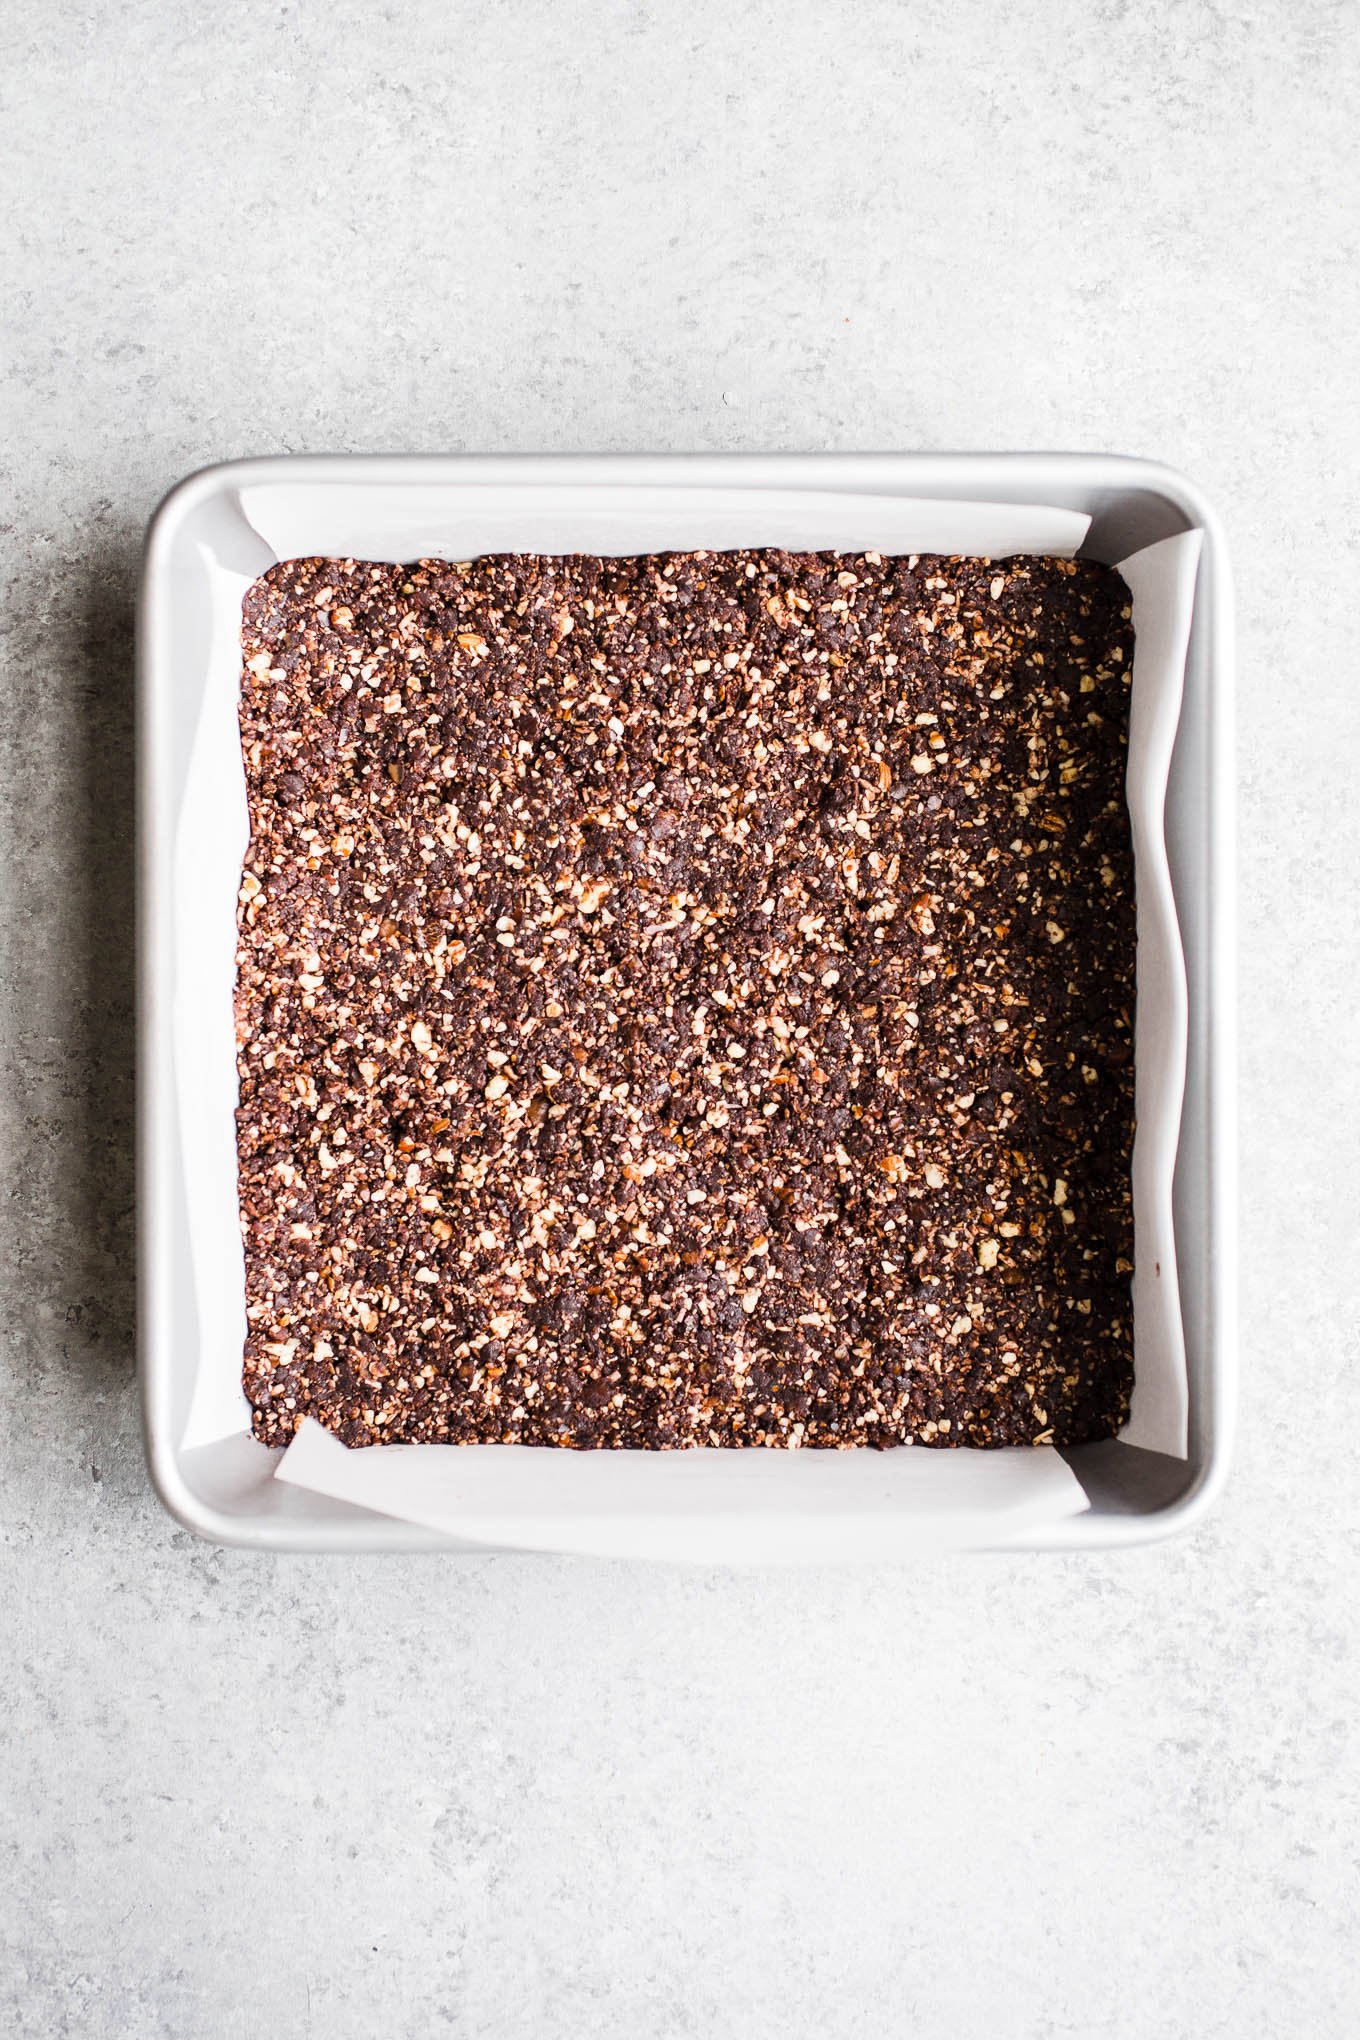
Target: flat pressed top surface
[[688, 1000]]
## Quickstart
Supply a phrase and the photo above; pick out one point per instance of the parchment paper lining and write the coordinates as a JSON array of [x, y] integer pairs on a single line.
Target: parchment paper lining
[[710, 1504]]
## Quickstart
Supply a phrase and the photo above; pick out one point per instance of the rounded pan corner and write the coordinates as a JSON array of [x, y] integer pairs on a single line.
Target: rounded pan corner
[[1177, 488], [178, 1499], [184, 497], [1170, 1520], [256, 1529], [218, 481], [1187, 1513]]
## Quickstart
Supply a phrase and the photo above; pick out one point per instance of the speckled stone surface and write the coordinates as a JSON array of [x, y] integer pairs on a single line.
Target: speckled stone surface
[[513, 1798]]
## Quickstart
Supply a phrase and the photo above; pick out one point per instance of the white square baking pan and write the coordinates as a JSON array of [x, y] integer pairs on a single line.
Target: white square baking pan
[[221, 528]]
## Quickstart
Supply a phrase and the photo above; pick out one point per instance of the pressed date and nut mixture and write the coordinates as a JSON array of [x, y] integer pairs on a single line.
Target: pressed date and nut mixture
[[687, 1000]]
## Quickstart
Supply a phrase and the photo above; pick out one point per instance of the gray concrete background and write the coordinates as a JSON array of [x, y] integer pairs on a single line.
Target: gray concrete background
[[1025, 1797]]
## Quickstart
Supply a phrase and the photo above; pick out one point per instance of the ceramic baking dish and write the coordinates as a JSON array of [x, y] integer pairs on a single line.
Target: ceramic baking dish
[[209, 539]]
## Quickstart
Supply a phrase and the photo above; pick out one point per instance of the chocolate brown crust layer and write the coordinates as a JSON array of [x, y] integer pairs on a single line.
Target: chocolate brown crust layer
[[687, 1000]]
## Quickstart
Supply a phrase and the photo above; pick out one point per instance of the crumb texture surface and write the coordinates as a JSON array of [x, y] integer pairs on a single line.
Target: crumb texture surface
[[687, 1000]]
